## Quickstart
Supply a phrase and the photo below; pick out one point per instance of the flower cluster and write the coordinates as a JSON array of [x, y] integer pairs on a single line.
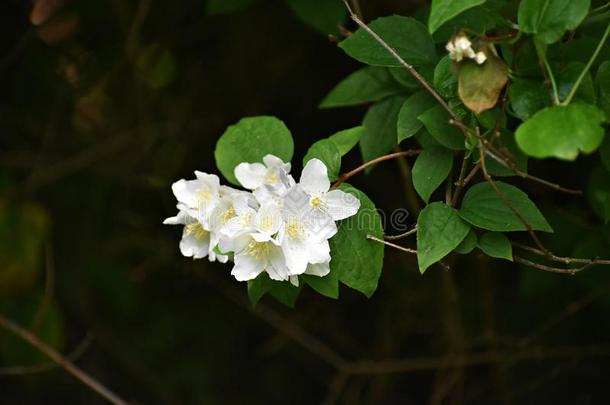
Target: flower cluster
[[280, 227], [460, 47]]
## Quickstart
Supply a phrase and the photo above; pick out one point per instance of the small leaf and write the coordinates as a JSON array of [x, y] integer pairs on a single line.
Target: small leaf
[[357, 261], [380, 128], [527, 97], [445, 80], [549, 19], [442, 11], [345, 140], [285, 292], [249, 141], [562, 131], [326, 150], [430, 170], [602, 81], [439, 231], [479, 86], [484, 208], [408, 124], [496, 244], [322, 15], [327, 285], [258, 287], [566, 79], [366, 85], [406, 35], [468, 244], [436, 121]]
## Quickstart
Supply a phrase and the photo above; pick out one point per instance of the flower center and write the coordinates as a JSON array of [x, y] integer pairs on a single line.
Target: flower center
[[271, 177], [204, 196], [195, 229], [316, 202], [295, 230], [227, 215], [259, 250]]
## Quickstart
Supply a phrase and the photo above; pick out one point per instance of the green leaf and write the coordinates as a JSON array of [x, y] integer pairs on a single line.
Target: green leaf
[[258, 287], [598, 192], [516, 155], [430, 170], [380, 128], [527, 97], [484, 208], [468, 244], [483, 18], [496, 244], [439, 231], [366, 85], [357, 261], [479, 86], [249, 141], [562, 131], [406, 35], [566, 79], [426, 140], [436, 121], [322, 15], [445, 80], [345, 140], [327, 285], [408, 124], [442, 11], [549, 19], [217, 7], [285, 292], [602, 81], [326, 150]]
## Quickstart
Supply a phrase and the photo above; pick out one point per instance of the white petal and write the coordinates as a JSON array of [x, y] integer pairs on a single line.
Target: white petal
[[180, 219], [341, 205], [268, 219], [319, 269], [246, 268], [318, 252], [190, 246], [314, 178], [186, 192], [272, 161], [296, 255], [276, 268], [211, 180], [294, 280], [250, 175]]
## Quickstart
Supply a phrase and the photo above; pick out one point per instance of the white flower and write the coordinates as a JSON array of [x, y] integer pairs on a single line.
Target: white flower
[[199, 196], [196, 241], [335, 203], [273, 173], [460, 48]]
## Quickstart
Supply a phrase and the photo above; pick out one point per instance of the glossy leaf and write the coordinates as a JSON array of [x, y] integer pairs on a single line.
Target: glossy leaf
[[436, 121], [345, 140], [380, 128], [325, 150], [356, 260], [249, 141], [327, 285], [562, 131], [485, 209], [550, 19], [442, 11], [366, 85], [468, 244], [408, 124], [430, 170], [439, 231], [496, 244], [406, 35]]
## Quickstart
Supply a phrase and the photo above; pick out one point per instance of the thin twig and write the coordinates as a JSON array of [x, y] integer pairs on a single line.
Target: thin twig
[[460, 183], [393, 245], [550, 269], [346, 176], [41, 368], [62, 361], [424, 83], [563, 259], [402, 235]]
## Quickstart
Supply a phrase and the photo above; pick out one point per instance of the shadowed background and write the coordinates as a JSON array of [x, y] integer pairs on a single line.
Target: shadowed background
[[105, 103]]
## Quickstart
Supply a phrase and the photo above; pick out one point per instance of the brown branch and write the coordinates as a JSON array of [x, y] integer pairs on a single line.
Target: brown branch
[[460, 183], [422, 80], [62, 361], [346, 176], [392, 245], [550, 269], [563, 259], [402, 235], [41, 368]]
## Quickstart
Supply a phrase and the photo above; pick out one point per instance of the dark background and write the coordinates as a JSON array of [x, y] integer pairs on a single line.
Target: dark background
[[100, 114]]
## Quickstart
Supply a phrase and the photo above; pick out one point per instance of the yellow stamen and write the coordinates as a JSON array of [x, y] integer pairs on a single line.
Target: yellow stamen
[[195, 229], [259, 250], [271, 177], [294, 230], [228, 214], [316, 202]]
